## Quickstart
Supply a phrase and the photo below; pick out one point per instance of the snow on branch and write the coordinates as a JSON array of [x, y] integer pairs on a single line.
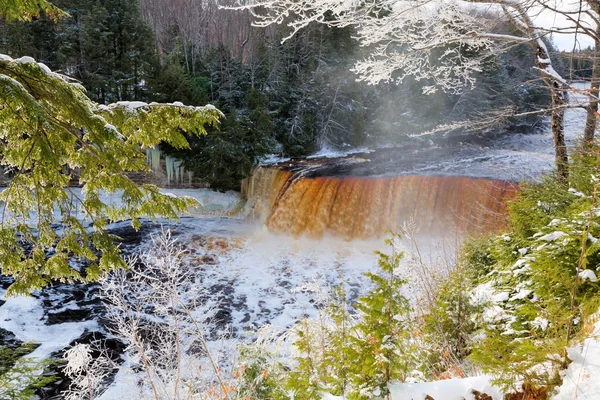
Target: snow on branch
[[442, 43]]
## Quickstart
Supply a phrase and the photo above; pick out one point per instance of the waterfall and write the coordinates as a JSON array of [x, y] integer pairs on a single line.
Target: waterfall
[[360, 208]]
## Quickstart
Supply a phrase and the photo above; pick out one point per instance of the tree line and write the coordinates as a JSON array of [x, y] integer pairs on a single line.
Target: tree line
[[290, 97]]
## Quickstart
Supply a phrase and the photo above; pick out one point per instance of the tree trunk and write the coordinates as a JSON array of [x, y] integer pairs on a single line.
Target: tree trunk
[[554, 82], [558, 134], [559, 101], [592, 109]]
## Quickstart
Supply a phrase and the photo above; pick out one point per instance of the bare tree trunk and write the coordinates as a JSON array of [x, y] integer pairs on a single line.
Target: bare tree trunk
[[558, 134], [557, 118], [592, 109], [557, 86]]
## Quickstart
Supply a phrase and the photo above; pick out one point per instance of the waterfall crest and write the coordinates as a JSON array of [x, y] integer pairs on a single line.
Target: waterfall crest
[[364, 207]]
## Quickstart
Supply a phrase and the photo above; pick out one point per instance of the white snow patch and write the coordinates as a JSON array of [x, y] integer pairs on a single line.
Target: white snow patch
[[540, 323], [482, 294], [576, 193], [551, 237], [132, 105], [501, 297], [25, 60], [521, 294], [582, 377], [24, 317], [45, 68], [451, 389], [588, 274]]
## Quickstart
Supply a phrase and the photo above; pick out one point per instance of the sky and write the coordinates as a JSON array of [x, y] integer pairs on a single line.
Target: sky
[[548, 19]]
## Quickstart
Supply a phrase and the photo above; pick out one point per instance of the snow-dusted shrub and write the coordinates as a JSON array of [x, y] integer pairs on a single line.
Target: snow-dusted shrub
[[447, 327], [88, 370], [153, 308], [537, 283]]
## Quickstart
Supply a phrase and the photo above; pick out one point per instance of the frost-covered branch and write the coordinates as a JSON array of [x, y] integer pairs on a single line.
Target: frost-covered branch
[[441, 43]]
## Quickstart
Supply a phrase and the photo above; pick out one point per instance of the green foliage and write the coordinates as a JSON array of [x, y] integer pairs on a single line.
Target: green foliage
[[357, 356], [24, 10], [448, 324], [20, 376], [48, 129], [538, 299], [223, 158], [261, 376]]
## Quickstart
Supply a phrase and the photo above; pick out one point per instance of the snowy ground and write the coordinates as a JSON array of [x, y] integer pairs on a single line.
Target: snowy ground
[[582, 379], [451, 389]]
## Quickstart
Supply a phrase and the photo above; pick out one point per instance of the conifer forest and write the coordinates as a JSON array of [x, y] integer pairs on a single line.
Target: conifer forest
[[299, 200]]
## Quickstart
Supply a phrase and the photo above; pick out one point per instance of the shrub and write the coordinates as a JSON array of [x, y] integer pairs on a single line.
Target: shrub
[[21, 376]]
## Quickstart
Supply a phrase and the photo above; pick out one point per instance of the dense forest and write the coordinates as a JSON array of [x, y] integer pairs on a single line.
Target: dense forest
[[290, 98]]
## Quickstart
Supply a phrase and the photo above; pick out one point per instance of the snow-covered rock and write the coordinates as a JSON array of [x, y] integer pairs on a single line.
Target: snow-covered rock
[[451, 389]]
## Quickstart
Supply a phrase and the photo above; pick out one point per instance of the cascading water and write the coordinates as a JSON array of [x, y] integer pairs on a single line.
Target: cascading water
[[363, 207]]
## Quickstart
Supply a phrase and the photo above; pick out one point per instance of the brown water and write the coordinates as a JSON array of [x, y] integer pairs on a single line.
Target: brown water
[[364, 207]]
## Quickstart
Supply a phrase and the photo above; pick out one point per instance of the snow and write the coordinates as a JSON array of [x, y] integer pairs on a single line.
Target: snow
[[123, 388], [521, 294], [581, 380], [45, 68], [576, 193], [451, 389], [588, 274], [25, 60], [132, 105], [501, 297], [540, 323], [551, 237], [24, 317], [482, 294]]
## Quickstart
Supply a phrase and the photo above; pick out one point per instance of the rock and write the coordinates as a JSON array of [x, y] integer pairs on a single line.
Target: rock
[[8, 339], [481, 396], [69, 315]]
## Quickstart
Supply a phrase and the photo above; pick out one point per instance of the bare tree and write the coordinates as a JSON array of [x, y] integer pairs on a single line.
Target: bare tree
[[429, 41]]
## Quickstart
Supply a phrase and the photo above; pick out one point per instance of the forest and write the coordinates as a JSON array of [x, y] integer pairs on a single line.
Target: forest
[[291, 99], [278, 199]]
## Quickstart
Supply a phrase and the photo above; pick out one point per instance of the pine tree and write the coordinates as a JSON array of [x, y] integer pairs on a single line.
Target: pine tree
[[49, 128], [357, 357], [380, 348]]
